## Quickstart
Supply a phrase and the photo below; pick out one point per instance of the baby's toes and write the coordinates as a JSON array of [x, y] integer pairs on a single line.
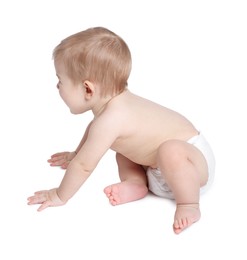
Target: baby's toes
[[107, 191]]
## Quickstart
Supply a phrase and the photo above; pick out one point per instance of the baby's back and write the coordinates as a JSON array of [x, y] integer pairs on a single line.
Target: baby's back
[[145, 125]]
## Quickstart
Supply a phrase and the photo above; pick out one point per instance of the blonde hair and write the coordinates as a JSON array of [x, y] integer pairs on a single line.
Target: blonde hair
[[98, 55]]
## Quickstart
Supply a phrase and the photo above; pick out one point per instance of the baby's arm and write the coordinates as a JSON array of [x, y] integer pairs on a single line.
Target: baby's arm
[[87, 158], [64, 158], [81, 167]]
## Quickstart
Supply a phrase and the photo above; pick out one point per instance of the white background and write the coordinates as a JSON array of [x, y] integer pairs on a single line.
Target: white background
[[187, 55]]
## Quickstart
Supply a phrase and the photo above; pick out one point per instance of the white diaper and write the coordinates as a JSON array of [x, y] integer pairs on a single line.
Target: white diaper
[[156, 182]]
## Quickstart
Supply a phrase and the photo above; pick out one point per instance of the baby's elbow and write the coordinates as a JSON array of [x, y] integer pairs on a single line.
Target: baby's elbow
[[83, 167]]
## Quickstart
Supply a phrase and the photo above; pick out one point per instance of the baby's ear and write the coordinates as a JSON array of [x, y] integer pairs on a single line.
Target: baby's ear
[[89, 89]]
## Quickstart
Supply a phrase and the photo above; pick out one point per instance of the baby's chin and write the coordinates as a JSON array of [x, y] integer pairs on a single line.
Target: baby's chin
[[76, 112]]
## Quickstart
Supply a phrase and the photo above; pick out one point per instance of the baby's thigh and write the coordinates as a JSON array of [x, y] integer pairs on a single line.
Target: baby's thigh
[[177, 155]]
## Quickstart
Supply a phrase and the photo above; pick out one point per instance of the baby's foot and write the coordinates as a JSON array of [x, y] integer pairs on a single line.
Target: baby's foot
[[185, 215], [124, 192]]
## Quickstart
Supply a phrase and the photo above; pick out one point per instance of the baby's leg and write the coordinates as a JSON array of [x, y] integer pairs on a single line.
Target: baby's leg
[[133, 185], [185, 171]]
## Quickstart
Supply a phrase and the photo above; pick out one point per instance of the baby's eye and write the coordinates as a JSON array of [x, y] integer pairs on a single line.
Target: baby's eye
[[59, 82]]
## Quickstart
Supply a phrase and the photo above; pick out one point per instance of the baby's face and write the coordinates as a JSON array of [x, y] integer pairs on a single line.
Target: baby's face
[[72, 94]]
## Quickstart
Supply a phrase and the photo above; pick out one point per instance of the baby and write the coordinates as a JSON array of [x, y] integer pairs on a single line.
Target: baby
[[157, 149]]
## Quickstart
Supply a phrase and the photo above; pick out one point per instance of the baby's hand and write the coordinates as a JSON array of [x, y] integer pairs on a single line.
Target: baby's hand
[[47, 198], [61, 159]]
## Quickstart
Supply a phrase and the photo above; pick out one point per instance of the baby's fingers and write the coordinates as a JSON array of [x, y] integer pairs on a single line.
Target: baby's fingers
[[65, 165], [38, 198], [58, 156], [56, 161], [44, 205]]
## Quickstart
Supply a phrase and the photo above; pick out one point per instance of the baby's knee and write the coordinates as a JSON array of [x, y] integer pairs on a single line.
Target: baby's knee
[[172, 151]]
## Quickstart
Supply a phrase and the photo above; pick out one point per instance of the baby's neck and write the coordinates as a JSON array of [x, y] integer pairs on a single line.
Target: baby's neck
[[101, 103]]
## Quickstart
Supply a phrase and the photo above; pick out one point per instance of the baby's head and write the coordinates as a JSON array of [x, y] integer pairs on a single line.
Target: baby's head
[[97, 55]]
